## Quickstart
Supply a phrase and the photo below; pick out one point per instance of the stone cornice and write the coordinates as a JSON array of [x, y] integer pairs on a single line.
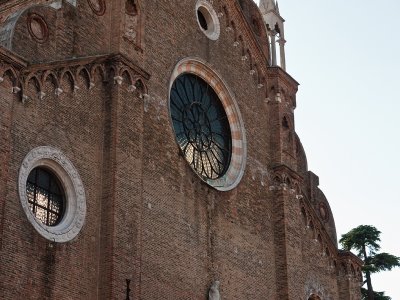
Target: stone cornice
[[284, 178], [287, 170], [280, 74], [118, 66], [8, 57], [112, 59], [280, 81], [343, 255]]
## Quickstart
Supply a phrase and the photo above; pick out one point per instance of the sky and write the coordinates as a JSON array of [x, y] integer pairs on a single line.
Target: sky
[[346, 56]]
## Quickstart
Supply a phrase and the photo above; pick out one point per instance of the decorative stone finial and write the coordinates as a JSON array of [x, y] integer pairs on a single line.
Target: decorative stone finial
[[267, 5]]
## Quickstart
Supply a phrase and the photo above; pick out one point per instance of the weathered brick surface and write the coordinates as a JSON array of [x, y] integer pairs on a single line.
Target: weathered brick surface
[[73, 124], [150, 219]]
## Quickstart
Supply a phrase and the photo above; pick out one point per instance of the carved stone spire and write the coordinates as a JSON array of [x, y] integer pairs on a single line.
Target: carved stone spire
[[274, 23], [267, 5]]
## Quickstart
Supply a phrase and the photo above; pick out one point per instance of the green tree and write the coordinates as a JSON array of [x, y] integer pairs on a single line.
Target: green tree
[[377, 295], [365, 241]]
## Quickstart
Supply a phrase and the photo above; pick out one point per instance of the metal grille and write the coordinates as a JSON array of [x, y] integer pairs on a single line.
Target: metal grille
[[45, 196], [201, 126]]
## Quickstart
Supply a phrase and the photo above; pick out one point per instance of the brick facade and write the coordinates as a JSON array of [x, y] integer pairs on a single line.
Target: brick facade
[[93, 80]]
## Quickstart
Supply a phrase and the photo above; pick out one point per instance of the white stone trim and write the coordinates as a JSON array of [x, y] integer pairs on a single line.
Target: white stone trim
[[75, 199], [211, 16]]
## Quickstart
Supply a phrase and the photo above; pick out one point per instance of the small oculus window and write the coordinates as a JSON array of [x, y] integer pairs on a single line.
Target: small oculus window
[[207, 19], [51, 194], [38, 28]]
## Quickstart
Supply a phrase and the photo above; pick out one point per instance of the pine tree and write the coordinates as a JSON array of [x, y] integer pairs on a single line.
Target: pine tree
[[365, 241]]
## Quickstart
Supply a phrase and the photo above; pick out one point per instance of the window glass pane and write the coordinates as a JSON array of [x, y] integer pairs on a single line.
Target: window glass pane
[[55, 203], [32, 208], [32, 176], [41, 214], [43, 179], [30, 192], [53, 219], [42, 197], [45, 196], [54, 188], [201, 126]]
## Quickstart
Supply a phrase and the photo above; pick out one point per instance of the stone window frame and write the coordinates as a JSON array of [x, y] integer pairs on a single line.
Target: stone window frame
[[211, 17], [44, 29], [75, 199], [237, 164]]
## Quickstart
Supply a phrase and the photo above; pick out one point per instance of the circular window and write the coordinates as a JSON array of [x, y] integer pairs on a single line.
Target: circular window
[[201, 126], [45, 196], [207, 19], [52, 194], [207, 124], [97, 6], [37, 28]]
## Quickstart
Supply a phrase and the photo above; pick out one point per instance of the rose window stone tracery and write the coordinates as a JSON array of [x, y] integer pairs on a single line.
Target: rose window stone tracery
[[201, 126]]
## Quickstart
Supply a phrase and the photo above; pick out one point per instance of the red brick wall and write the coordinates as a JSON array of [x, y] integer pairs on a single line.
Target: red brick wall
[[5, 130], [33, 267], [149, 218]]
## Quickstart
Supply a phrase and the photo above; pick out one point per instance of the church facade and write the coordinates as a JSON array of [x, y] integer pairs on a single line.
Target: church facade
[[148, 151]]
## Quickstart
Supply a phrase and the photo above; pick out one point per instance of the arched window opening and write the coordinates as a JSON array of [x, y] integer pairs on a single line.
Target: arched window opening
[[133, 26], [131, 7], [285, 123], [256, 27], [327, 252], [304, 215]]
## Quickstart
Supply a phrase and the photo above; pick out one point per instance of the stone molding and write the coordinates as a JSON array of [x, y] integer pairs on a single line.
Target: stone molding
[[75, 202], [284, 178], [22, 74]]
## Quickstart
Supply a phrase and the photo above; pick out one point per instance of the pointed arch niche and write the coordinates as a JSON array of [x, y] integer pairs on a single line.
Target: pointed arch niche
[[133, 27]]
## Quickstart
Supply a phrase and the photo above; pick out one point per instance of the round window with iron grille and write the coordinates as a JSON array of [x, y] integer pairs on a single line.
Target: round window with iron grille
[[201, 126], [45, 196]]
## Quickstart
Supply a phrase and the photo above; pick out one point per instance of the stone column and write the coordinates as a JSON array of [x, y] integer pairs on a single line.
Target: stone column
[[272, 34], [282, 43]]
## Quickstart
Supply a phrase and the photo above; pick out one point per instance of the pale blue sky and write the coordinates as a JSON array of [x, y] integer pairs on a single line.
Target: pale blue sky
[[345, 55]]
